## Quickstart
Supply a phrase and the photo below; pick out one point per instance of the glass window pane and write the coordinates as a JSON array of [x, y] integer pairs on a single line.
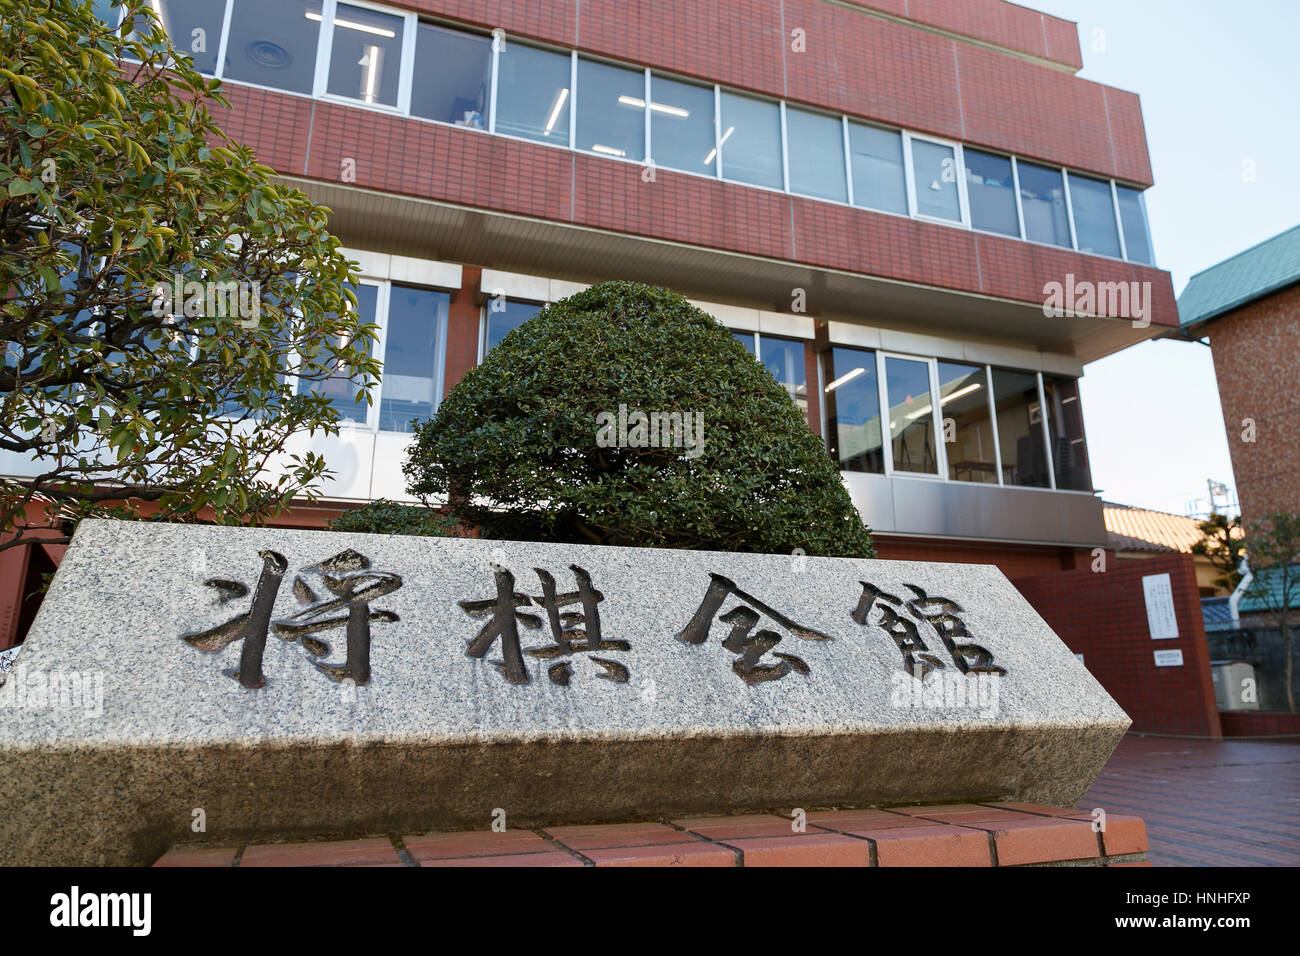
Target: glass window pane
[[681, 125], [1094, 216], [784, 359], [453, 71], [195, 29], [853, 410], [340, 387], [992, 193], [746, 339], [506, 317], [1065, 425], [911, 416], [417, 319], [1042, 199], [611, 110], [751, 141], [533, 94], [816, 148], [108, 11], [967, 426], [879, 180], [934, 171], [1133, 215], [274, 44], [366, 55], [1020, 429]]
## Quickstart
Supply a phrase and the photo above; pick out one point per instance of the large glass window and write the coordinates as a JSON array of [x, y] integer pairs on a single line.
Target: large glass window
[[1094, 216], [1065, 426], [816, 149], [366, 55], [967, 425], [784, 359], [749, 340], [194, 27], [341, 386], [934, 171], [611, 110], [274, 44], [879, 179], [911, 416], [1020, 428], [1133, 216], [453, 75], [1042, 199], [751, 141], [417, 319], [533, 94], [503, 316], [853, 409], [992, 192], [681, 125]]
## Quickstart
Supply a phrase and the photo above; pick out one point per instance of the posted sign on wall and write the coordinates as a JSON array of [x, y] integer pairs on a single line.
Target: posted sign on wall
[[1159, 594]]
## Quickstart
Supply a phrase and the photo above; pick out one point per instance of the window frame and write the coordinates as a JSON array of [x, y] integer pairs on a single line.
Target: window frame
[[325, 53], [886, 427]]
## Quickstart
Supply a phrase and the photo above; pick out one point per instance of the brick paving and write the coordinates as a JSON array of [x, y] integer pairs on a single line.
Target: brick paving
[[1207, 803]]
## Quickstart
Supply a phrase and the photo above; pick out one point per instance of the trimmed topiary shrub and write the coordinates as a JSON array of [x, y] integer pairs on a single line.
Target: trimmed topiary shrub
[[388, 517], [566, 432]]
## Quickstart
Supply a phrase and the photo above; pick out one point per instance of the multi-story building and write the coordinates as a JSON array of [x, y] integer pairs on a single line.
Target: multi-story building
[[877, 197]]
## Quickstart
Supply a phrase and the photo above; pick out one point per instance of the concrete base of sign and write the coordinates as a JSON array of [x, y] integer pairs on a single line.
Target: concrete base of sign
[[127, 725]]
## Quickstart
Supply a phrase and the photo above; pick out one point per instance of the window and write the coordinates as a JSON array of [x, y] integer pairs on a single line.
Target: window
[[1094, 215], [967, 424], [503, 316], [1133, 217], [816, 148], [992, 192], [934, 173], [453, 76], [611, 110], [341, 386], [533, 94], [1042, 198], [751, 141], [365, 55], [749, 340], [413, 348], [784, 359], [274, 44], [911, 416], [108, 12], [879, 181], [853, 410], [681, 126], [1020, 429], [194, 27], [1065, 426]]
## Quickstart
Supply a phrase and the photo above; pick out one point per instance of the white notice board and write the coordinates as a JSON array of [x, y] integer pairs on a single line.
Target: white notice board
[[1159, 594]]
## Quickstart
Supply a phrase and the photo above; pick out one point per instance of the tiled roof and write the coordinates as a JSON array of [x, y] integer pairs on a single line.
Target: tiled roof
[[1138, 529], [1245, 277], [1216, 614], [1269, 580]]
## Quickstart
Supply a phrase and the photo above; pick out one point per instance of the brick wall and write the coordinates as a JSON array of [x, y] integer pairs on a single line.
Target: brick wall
[[1255, 723], [1103, 617]]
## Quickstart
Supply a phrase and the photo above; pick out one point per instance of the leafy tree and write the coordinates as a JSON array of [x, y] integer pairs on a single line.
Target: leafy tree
[[116, 185], [526, 445], [388, 517], [1274, 547], [1224, 545]]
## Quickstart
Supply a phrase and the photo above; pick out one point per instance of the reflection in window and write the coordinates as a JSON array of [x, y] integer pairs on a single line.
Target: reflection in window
[[417, 320], [681, 125], [1065, 425], [911, 416], [934, 171], [274, 44], [366, 57], [533, 94], [1042, 199], [194, 27], [751, 141], [748, 340], [879, 180], [992, 193], [611, 119], [816, 148], [1020, 429], [784, 359], [1133, 216], [453, 71], [504, 316], [341, 386], [967, 427], [1094, 216], [853, 410]]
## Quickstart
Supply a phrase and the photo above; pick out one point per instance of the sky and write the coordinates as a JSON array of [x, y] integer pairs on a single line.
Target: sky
[[1220, 88]]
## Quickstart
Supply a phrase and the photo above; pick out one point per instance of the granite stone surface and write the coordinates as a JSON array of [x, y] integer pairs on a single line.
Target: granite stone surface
[[647, 684]]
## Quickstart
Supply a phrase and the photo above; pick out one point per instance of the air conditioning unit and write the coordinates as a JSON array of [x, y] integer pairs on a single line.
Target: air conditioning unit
[[1234, 680]]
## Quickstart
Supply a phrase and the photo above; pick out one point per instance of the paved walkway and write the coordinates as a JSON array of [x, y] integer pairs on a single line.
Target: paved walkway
[[1207, 803]]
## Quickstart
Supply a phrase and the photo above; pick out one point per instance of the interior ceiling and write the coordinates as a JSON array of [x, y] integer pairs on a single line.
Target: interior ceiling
[[400, 225]]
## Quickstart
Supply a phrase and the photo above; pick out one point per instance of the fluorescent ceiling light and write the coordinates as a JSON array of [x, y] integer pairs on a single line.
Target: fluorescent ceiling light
[[713, 152], [560, 100], [353, 25], [607, 150], [845, 378], [371, 62], [657, 107], [973, 387]]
